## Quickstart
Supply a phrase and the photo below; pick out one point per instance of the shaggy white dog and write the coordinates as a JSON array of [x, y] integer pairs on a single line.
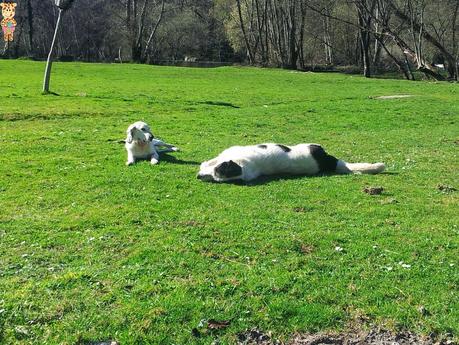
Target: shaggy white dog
[[249, 162], [141, 144]]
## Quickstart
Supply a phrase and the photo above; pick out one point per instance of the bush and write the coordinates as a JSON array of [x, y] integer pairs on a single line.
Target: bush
[[67, 58]]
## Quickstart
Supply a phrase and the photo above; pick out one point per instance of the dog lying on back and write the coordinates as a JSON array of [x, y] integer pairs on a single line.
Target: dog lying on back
[[249, 162], [141, 144]]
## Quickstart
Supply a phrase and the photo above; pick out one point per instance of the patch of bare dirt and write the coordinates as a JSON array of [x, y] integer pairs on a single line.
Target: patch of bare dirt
[[374, 337], [256, 337], [393, 96]]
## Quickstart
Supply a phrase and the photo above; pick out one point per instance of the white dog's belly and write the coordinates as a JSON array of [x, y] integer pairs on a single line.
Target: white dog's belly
[[290, 163], [141, 150], [301, 160]]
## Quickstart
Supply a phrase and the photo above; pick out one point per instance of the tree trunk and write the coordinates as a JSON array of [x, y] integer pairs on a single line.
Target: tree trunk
[[246, 40], [5, 48], [402, 68], [455, 50], [153, 31], [423, 65], [327, 41], [137, 42], [301, 38], [136, 53], [49, 62], [292, 36], [30, 24], [365, 47], [428, 37]]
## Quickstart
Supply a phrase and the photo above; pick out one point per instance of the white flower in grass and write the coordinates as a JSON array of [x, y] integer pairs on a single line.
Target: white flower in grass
[[339, 249], [401, 263]]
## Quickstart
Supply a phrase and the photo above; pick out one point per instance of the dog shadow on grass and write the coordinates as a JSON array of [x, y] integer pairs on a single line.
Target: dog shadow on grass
[[262, 180], [274, 178], [173, 160]]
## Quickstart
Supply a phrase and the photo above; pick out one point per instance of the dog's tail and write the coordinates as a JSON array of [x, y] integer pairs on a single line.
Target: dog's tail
[[359, 168]]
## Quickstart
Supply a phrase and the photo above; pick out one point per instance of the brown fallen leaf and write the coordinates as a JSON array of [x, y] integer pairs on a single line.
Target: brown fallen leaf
[[306, 249], [215, 324], [300, 209]]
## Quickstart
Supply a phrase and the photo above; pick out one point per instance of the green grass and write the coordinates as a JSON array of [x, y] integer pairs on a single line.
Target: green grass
[[93, 250]]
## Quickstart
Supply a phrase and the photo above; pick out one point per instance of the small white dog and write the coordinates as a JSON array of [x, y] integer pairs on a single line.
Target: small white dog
[[141, 144], [249, 162]]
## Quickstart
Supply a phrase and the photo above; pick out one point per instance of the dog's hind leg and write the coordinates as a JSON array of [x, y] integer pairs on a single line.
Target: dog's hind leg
[[169, 147], [359, 168]]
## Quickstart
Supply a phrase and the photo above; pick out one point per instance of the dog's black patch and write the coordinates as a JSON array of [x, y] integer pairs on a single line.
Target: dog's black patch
[[326, 162], [262, 146], [284, 148], [228, 169]]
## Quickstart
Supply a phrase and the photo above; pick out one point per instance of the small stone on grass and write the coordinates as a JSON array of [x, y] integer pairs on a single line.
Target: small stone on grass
[[373, 190], [446, 189]]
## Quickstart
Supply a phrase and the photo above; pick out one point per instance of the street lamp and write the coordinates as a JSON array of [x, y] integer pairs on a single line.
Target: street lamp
[[63, 5]]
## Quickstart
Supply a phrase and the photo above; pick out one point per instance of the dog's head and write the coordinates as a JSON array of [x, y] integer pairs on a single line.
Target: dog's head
[[220, 171], [139, 131]]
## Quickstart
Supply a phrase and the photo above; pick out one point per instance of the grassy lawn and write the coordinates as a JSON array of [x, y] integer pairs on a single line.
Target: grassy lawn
[[92, 250]]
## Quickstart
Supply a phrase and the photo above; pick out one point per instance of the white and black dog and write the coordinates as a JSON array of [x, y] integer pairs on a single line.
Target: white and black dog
[[141, 144], [249, 162]]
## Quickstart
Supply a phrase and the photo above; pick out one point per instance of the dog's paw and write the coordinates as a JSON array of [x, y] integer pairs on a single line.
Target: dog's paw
[[154, 161], [128, 163], [175, 149]]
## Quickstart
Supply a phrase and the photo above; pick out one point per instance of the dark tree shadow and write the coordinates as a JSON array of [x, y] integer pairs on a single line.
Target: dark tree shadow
[[220, 104]]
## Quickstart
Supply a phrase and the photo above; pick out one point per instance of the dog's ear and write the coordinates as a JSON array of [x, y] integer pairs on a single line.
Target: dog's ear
[[147, 131], [129, 136], [149, 136], [228, 169]]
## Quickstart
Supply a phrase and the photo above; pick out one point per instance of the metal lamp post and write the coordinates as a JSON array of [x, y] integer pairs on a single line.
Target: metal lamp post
[[63, 5]]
